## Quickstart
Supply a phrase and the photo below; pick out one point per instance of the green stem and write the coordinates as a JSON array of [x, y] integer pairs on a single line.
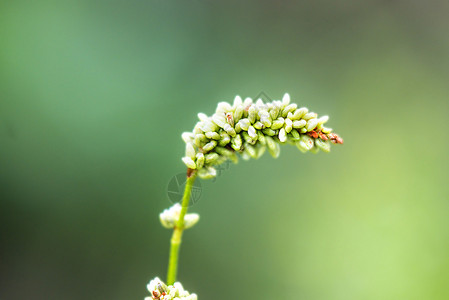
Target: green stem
[[177, 232]]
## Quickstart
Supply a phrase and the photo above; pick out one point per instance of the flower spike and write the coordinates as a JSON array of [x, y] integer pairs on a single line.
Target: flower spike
[[247, 128]]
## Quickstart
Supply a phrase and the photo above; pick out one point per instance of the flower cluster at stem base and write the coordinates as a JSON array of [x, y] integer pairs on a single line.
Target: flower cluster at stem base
[[161, 291]]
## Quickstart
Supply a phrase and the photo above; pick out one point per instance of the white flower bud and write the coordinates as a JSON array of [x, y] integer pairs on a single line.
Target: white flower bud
[[282, 136], [189, 162], [229, 130], [190, 220], [248, 101], [252, 132], [208, 125], [203, 117], [286, 99], [187, 137], [238, 113], [266, 121], [323, 119], [223, 107], [190, 150], [237, 101], [299, 124], [169, 217], [311, 124], [309, 116], [219, 119], [207, 173], [244, 124]]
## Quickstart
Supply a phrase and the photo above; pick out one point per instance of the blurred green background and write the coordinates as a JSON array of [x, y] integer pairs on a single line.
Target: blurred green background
[[94, 96]]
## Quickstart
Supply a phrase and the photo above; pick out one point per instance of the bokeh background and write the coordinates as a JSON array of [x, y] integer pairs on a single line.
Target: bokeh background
[[94, 96]]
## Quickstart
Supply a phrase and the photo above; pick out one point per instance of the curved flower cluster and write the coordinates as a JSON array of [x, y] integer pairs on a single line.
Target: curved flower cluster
[[160, 291], [170, 216], [249, 128]]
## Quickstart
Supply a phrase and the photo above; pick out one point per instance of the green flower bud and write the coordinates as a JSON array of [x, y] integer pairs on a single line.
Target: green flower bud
[[277, 124], [252, 114], [236, 143], [288, 125], [200, 160], [211, 158], [309, 116], [229, 130], [224, 139], [323, 145], [209, 146], [269, 132], [258, 125], [213, 135], [289, 108]]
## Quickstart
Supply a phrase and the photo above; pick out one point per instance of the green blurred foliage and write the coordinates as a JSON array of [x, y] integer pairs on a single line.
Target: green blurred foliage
[[95, 94]]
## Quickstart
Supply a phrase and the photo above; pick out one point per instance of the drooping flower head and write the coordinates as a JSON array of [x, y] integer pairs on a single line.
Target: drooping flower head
[[249, 129]]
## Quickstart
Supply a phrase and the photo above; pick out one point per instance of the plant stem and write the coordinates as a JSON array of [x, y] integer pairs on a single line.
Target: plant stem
[[177, 232]]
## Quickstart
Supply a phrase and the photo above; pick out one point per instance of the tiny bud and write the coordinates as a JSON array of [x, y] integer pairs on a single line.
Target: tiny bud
[[190, 150], [212, 135], [277, 124], [299, 124], [244, 124], [252, 114], [209, 146], [269, 132], [187, 137], [189, 162], [282, 136], [309, 116], [286, 99], [311, 124], [200, 160], [325, 146], [288, 125], [252, 132], [288, 109], [203, 117]]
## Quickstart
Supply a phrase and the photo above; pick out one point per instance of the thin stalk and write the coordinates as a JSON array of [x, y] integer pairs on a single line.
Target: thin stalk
[[176, 238]]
